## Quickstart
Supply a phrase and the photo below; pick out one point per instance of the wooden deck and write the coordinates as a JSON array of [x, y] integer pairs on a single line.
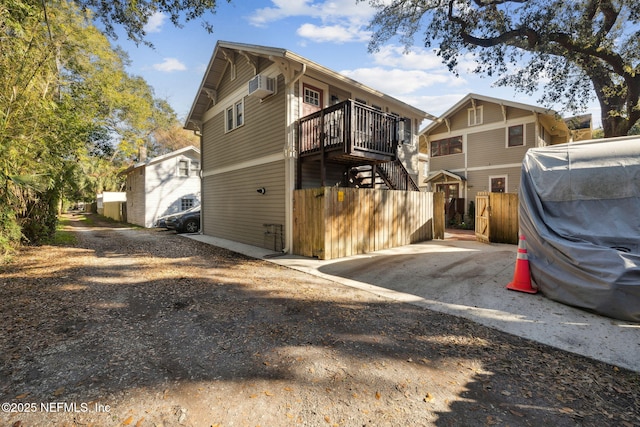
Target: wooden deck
[[349, 132]]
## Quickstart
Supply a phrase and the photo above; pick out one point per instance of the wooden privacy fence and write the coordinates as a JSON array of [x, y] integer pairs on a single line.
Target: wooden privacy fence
[[334, 222], [497, 217]]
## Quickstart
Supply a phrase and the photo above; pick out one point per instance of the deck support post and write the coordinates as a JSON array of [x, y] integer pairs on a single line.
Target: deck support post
[[323, 135]]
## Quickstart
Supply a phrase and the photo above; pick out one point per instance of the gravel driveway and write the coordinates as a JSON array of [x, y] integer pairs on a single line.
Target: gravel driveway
[[146, 328]]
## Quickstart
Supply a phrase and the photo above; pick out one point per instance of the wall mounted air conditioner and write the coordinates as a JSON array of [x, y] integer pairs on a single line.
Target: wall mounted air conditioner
[[261, 86]]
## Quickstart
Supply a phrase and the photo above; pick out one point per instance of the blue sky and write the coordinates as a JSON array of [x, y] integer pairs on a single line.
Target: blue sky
[[332, 33]]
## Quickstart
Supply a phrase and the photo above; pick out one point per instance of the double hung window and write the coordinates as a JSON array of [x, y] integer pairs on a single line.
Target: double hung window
[[234, 116]]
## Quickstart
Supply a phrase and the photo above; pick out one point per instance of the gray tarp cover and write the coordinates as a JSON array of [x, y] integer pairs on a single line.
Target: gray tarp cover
[[580, 215]]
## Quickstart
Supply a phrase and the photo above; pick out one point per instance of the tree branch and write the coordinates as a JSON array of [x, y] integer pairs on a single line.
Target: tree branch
[[507, 37]]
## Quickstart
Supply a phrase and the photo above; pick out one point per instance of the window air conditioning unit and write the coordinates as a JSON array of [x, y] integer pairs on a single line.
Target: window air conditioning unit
[[261, 86]]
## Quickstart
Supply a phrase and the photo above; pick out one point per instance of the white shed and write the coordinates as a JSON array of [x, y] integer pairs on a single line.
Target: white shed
[[162, 186]]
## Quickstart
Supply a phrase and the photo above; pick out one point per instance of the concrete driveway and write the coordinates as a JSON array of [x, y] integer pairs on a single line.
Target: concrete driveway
[[467, 278]]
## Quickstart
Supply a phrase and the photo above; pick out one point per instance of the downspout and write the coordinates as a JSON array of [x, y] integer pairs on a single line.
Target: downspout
[[290, 155], [201, 174]]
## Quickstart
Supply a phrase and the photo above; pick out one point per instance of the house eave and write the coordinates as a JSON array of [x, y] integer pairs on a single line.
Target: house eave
[[209, 81], [550, 114]]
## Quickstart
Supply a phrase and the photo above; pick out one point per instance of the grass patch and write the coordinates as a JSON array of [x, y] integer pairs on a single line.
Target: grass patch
[[62, 237], [88, 219]]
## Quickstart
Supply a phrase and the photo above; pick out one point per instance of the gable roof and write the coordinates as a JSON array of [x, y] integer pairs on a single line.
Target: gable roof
[[443, 174], [549, 116], [218, 64], [162, 158]]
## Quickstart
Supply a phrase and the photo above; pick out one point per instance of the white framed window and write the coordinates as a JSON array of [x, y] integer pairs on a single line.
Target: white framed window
[[515, 136], [312, 95], [183, 167], [186, 203], [474, 116], [234, 116], [188, 167], [195, 168], [498, 183]]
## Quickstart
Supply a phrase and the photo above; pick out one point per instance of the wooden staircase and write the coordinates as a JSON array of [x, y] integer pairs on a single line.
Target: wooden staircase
[[389, 175]]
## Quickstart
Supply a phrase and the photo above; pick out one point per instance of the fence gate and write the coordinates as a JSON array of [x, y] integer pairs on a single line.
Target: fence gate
[[482, 216]]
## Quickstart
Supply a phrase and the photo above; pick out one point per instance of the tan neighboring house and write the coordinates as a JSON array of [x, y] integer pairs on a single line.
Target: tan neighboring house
[[479, 144], [162, 185], [112, 204], [272, 121]]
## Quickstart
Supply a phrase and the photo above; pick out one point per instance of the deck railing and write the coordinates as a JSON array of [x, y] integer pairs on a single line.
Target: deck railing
[[397, 177], [349, 126]]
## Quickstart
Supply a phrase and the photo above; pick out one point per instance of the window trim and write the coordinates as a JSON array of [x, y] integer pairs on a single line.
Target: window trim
[[184, 201], [307, 87], [506, 182], [181, 169], [237, 118], [523, 135], [190, 170], [448, 140], [474, 112]]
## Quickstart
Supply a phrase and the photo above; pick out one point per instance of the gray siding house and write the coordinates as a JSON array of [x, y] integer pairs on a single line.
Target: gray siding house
[[479, 144], [271, 121], [163, 185]]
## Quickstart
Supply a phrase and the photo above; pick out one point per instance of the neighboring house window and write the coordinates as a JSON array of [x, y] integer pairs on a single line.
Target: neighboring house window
[[475, 116], [186, 204], [516, 136], [183, 168], [312, 95], [188, 168], [498, 184], [444, 147], [234, 115], [195, 168]]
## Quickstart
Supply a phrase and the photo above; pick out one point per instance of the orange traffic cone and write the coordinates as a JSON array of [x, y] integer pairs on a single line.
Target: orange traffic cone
[[522, 276]]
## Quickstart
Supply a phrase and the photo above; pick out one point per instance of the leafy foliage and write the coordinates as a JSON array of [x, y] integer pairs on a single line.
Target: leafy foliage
[[133, 16], [574, 48], [70, 116]]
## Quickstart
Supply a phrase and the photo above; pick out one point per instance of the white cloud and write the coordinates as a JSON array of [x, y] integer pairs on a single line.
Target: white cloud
[[332, 33], [169, 65], [339, 20], [435, 104], [282, 9], [398, 82], [154, 25], [416, 58]]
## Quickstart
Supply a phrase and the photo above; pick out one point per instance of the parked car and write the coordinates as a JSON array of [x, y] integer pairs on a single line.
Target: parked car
[[184, 222], [162, 221]]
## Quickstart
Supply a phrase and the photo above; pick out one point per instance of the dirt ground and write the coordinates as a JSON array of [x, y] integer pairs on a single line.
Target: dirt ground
[[134, 327]]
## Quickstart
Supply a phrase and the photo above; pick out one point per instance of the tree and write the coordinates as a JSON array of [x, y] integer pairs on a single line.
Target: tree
[[133, 16], [572, 47], [68, 109]]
